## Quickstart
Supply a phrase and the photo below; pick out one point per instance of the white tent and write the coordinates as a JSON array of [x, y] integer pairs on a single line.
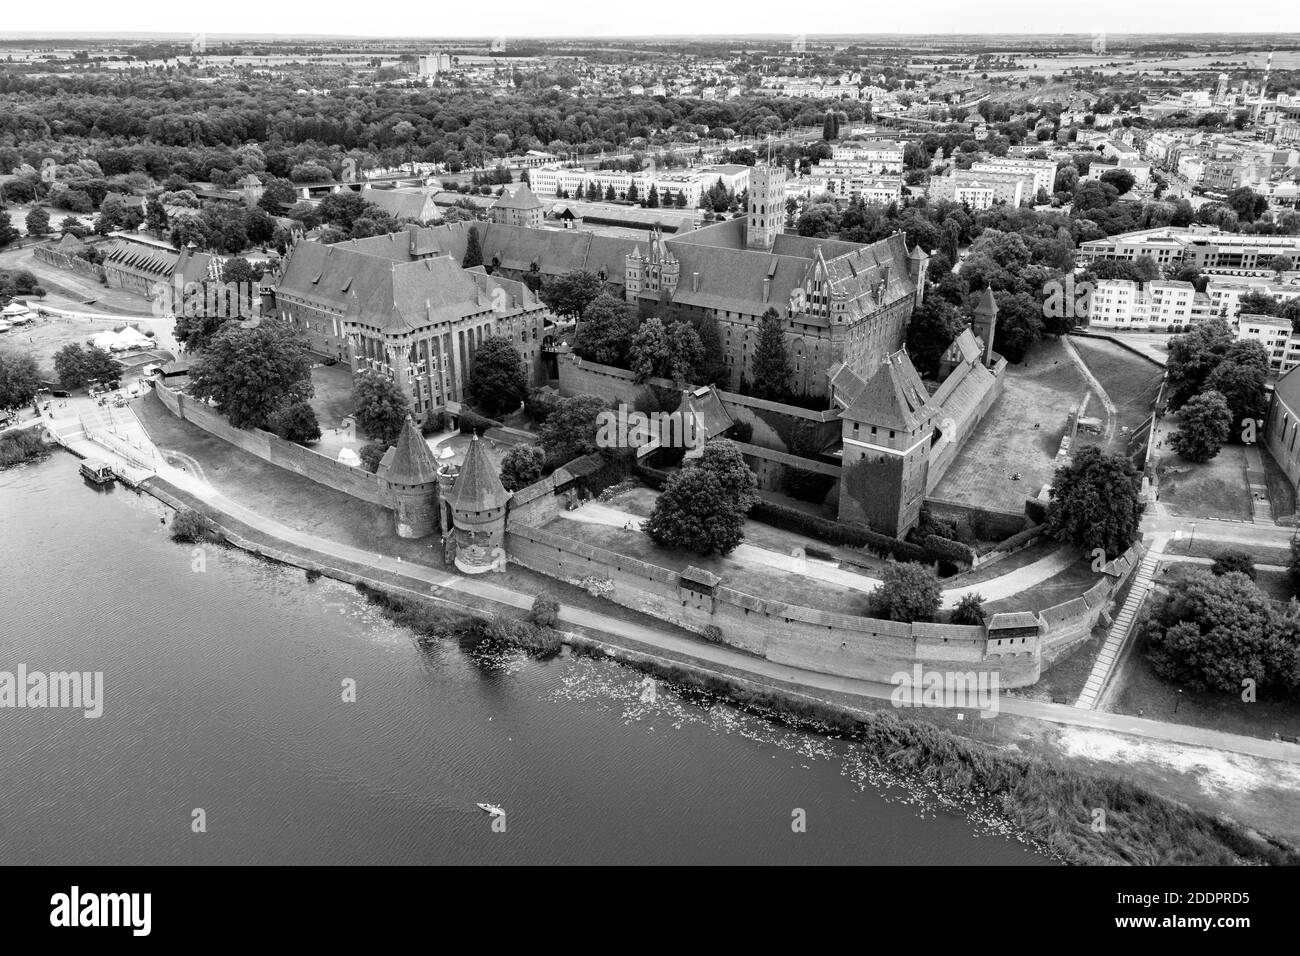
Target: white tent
[[133, 339], [15, 313], [106, 340], [349, 457]]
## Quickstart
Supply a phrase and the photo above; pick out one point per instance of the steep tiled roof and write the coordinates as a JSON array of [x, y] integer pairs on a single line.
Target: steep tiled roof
[[138, 257], [410, 461], [380, 293], [404, 203], [895, 397], [477, 487], [518, 196]]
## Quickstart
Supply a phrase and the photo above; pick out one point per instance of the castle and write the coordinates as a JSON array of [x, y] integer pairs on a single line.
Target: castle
[[402, 304]]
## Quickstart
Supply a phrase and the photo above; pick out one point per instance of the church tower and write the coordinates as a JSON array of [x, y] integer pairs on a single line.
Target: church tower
[[765, 213]]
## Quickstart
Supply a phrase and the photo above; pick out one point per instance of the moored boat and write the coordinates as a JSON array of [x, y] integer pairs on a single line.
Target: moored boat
[[97, 471]]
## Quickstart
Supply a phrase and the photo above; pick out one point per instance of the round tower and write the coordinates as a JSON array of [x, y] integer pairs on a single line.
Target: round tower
[[478, 513], [409, 476]]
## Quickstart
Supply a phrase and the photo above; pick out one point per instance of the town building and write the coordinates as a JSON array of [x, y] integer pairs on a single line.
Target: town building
[[1151, 306], [1204, 247], [1043, 171], [517, 206]]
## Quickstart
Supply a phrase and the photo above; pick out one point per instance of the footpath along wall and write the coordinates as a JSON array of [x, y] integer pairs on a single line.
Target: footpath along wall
[[841, 644], [1016, 646], [356, 482]]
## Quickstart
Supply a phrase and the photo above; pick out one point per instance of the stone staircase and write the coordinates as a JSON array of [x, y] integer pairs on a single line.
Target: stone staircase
[[1121, 627]]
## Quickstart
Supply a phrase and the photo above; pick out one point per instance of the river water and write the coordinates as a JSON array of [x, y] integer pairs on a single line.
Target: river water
[[223, 686]]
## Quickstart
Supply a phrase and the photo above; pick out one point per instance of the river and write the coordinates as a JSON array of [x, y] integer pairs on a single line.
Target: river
[[223, 685]]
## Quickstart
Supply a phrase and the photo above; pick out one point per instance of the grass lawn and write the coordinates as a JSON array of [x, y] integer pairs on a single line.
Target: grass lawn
[[1065, 586], [1020, 434], [1064, 680], [1035, 552], [44, 336], [1131, 381], [744, 576], [1208, 549], [308, 506], [1215, 489]]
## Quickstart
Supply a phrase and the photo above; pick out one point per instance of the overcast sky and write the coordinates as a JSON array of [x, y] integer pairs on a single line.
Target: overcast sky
[[523, 18]]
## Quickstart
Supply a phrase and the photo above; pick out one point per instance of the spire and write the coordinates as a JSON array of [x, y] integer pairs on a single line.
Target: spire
[[987, 304], [410, 462], [477, 487]]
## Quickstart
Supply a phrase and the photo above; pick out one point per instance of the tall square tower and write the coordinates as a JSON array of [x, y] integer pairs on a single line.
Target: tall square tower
[[765, 215]]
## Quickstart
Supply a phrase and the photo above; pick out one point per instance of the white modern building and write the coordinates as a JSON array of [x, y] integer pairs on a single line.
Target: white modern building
[[1042, 170], [1151, 306]]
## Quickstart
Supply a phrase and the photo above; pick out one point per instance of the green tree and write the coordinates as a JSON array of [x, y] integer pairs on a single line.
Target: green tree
[[1193, 355], [570, 428], [1206, 423], [250, 372], [968, 610], [908, 592], [296, 422], [571, 293], [933, 327], [712, 367], [771, 369], [723, 459], [1233, 560], [1243, 388], [652, 198], [155, 215], [672, 352], [605, 331], [473, 251], [521, 466], [1216, 631], [498, 382], [19, 380], [379, 406], [371, 454], [75, 365], [695, 513], [38, 221], [1095, 502], [8, 234]]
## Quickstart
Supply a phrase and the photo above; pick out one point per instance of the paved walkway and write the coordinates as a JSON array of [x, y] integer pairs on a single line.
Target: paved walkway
[[1121, 629], [725, 659], [993, 589], [638, 638]]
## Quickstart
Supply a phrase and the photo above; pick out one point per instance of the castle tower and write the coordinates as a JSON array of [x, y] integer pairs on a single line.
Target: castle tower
[[917, 263], [765, 211], [409, 474], [633, 274], [478, 513], [984, 323]]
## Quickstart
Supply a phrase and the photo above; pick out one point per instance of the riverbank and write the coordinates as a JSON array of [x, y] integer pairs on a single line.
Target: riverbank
[[1055, 807], [22, 445]]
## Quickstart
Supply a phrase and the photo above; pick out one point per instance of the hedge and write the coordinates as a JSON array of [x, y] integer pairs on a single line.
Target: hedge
[[837, 532], [474, 422], [1021, 538], [949, 550]]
